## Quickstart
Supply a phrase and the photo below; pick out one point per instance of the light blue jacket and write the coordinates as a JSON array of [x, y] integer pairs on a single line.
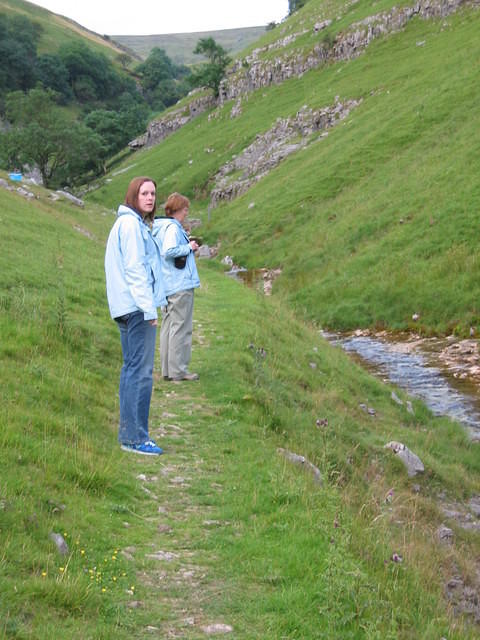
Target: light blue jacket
[[173, 242], [132, 267]]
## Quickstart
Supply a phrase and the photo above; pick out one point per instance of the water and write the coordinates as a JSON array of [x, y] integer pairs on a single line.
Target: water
[[258, 279], [417, 369], [247, 276], [414, 371]]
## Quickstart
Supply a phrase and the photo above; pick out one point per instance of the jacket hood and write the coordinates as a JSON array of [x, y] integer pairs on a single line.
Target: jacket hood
[[160, 223], [123, 210], [163, 220]]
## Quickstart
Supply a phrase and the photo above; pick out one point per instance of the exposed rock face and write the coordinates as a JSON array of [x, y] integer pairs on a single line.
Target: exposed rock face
[[466, 516], [464, 596], [269, 149], [4, 184], [252, 73], [158, 130]]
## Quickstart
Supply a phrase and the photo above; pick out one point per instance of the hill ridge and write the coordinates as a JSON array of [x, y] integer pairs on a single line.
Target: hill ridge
[[45, 16], [179, 46]]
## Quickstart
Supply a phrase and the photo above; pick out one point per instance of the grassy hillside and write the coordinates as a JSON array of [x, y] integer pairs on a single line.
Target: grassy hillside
[[376, 222], [58, 30], [370, 224], [222, 529], [179, 46]]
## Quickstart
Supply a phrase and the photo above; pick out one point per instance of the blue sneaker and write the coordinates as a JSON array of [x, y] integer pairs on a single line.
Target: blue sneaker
[[148, 448]]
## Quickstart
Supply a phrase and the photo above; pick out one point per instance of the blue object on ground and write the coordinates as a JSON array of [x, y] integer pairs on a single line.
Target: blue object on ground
[[15, 176]]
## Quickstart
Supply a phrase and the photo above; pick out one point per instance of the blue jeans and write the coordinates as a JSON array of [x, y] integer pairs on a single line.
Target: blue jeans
[[136, 378]]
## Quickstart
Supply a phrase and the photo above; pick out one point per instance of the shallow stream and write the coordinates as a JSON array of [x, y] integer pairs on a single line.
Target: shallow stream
[[421, 368], [443, 372]]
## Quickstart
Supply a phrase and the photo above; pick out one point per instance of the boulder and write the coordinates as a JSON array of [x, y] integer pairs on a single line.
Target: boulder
[[301, 461], [60, 543], [411, 461], [73, 199]]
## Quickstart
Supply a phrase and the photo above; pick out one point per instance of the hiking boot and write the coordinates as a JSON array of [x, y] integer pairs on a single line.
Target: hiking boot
[[148, 448], [186, 376]]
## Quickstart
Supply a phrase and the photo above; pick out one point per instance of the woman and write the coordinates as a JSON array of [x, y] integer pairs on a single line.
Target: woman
[[180, 278], [134, 291]]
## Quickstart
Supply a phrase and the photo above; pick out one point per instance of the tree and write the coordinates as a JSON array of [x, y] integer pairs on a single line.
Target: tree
[[210, 74], [124, 59], [109, 126], [91, 75], [43, 135], [157, 67], [53, 74], [17, 70], [116, 128], [134, 112], [18, 50], [159, 80]]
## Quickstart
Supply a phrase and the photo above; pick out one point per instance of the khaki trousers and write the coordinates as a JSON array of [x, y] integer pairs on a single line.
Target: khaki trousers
[[176, 334]]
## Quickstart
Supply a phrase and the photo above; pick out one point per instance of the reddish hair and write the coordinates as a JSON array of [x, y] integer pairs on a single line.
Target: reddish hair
[[131, 197], [175, 202]]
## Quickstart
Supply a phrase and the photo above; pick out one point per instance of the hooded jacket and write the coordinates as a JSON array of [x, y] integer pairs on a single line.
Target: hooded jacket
[[173, 242], [132, 267]]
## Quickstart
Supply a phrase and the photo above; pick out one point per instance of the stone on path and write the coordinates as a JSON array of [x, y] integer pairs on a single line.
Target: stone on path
[[444, 534], [166, 556], [217, 628]]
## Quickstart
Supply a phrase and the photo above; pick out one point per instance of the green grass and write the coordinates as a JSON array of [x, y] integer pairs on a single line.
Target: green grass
[[257, 543], [370, 225], [377, 221]]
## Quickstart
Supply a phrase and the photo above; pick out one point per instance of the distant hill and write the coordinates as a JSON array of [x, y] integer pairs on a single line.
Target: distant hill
[[179, 46], [57, 29]]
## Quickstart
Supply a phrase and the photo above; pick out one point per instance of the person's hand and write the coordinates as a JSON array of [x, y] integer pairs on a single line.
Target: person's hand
[[194, 245], [154, 323]]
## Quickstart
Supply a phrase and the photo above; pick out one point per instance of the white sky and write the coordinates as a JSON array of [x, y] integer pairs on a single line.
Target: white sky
[[145, 17]]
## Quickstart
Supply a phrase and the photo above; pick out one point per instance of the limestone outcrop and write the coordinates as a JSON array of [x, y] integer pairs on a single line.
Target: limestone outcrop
[[255, 71], [287, 136], [159, 129]]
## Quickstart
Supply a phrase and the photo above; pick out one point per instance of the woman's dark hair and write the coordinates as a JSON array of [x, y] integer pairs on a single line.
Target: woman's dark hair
[[131, 197], [175, 202]]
